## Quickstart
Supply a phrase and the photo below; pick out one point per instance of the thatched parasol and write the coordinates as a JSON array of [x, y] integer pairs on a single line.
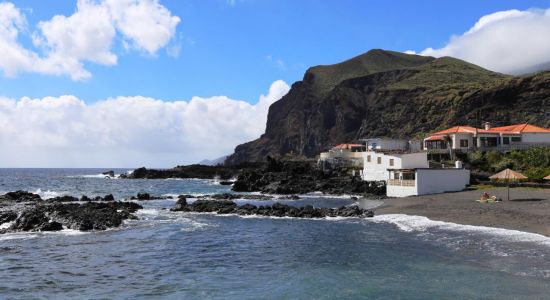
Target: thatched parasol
[[508, 175]]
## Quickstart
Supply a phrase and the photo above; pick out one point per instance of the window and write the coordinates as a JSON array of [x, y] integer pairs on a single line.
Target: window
[[516, 139], [506, 140], [409, 176], [379, 160], [464, 143], [489, 141], [368, 158], [391, 162]]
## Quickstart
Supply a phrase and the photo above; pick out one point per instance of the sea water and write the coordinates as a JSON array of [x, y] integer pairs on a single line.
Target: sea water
[[174, 255]]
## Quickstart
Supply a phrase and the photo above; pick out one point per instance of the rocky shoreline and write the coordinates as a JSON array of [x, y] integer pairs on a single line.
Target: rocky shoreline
[[22, 211], [283, 177], [225, 207]]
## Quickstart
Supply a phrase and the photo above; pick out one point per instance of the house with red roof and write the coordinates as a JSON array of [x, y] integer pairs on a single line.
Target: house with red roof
[[504, 138]]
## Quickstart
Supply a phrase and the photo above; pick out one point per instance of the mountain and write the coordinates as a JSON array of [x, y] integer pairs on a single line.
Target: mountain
[[213, 162], [385, 93], [533, 69]]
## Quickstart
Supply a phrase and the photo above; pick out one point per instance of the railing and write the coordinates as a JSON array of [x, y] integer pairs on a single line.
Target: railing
[[397, 182], [510, 147], [519, 146]]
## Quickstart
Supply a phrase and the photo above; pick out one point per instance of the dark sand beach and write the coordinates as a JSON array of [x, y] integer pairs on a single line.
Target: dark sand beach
[[528, 209]]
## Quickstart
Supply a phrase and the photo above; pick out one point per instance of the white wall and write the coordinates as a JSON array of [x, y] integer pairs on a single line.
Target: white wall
[[372, 171], [462, 136], [535, 138], [413, 161], [400, 191], [433, 181]]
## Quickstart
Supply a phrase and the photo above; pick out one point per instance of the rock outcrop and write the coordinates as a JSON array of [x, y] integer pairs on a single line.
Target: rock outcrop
[[275, 210], [302, 177], [24, 211]]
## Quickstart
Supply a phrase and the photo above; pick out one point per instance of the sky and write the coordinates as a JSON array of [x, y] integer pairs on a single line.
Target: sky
[[128, 83]]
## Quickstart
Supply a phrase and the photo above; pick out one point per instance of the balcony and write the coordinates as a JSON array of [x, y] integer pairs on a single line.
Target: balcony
[[397, 182]]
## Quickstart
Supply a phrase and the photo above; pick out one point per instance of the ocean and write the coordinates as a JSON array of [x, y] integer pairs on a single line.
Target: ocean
[[174, 255]]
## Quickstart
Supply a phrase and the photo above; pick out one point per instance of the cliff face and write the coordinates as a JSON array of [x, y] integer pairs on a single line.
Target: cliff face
[[384, 93]]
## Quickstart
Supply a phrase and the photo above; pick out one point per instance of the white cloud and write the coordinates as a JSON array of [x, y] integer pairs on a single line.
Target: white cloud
[[127, 131], [505, 41], [148, 25], [64, 43], [278, 62]]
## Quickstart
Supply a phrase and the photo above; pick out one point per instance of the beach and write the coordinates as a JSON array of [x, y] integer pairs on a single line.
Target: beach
[[528, 209]]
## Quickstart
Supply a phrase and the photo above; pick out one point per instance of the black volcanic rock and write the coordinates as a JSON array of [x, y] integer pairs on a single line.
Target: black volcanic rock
[[20, 196], [301, 177], [190, 171], [223, 207], [63, 199], [109, 173], [385, 93], [54, 216]]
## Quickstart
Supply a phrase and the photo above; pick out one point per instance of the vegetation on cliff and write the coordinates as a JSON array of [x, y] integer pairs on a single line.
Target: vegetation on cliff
[[385, 93], [533, 163]]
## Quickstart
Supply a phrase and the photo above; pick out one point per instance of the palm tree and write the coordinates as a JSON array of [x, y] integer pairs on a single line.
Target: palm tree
[[449, 141]]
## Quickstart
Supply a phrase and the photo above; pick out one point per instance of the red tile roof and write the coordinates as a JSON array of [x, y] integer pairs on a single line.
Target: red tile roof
[[519, 128], [511, 129], [435, 138], [459, 129]]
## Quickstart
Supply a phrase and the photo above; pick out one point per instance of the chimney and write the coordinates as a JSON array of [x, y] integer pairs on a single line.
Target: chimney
[[487, 125]]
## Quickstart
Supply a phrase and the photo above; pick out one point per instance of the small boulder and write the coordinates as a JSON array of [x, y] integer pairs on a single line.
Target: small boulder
[[109, 197], [143, 196], [110, 174]]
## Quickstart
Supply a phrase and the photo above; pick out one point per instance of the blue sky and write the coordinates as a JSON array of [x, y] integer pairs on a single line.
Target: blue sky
[[157, 83], [226, 48]]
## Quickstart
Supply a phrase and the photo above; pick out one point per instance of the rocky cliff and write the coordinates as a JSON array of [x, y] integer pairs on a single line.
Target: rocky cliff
[[385, 93]]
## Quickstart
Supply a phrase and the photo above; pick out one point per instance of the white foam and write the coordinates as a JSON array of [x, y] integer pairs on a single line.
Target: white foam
[[17, 236], [47, 194], [66, 231], [6, 225], [410, 223], [101, 176]]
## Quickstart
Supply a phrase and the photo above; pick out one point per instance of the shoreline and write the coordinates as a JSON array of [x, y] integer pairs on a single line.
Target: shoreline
[[527, 211]]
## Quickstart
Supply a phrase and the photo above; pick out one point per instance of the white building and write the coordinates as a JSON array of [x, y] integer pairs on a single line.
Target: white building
[[343, 155], [505, 138], [422, 181], [376, 164], [408, 174]]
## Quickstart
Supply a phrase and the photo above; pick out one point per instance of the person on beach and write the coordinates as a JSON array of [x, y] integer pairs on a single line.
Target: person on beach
[[486, 197]]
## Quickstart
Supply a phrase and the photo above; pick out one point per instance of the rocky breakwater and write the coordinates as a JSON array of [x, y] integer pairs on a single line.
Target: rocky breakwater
[[23, 211], [301, 177], [190, 171], [224, 207]]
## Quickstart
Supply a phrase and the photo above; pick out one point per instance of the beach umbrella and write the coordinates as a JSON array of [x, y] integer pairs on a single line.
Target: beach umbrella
[[508, 175], [547, 177]]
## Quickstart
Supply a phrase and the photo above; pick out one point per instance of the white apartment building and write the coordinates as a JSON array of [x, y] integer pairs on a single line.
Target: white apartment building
[[408, 174]]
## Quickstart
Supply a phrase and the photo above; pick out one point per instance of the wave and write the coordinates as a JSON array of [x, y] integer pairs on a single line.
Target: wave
[[100, 176], [32, 235], [47, 194], [410, 223]]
